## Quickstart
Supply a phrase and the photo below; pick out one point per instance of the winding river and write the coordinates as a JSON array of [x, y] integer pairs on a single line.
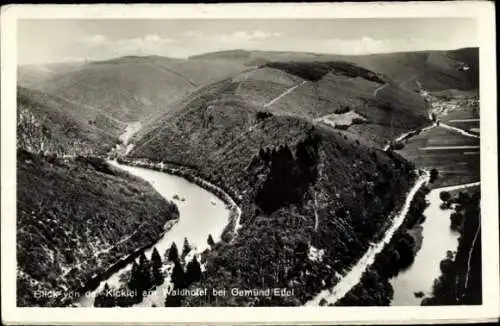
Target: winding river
[[438, 238], [201, 213]]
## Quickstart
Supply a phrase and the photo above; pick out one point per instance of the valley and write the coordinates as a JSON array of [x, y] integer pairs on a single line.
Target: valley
[[270, 155]]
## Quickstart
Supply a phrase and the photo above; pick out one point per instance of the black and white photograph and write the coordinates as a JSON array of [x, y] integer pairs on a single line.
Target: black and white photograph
[[249, 162]]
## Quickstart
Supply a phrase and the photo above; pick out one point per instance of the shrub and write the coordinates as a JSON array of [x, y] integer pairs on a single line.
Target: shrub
[[434, 175], [262, 115], [342, 110], [456, 220], [398, 146], [445, 196]]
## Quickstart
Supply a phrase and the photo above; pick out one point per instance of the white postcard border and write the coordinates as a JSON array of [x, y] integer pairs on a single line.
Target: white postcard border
[[482, 11]]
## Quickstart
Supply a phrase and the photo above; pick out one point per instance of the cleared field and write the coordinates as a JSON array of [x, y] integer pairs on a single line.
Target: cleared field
[[440, 137], [345, 119], [455, 165]]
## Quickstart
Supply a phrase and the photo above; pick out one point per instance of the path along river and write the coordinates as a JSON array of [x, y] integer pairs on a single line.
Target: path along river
[[201, 213]]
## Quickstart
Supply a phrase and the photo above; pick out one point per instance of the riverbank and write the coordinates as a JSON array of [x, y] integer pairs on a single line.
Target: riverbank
[[203, 218], [97, 281], [416, 282], [189, 174], [460, 279], [373, 270]]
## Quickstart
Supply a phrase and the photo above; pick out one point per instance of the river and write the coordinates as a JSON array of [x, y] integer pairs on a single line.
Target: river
[[438, 238], [200, 213]]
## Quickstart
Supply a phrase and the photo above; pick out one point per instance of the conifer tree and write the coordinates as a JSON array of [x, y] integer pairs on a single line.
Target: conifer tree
[[178, 275], [173, 253], [210, 241], [156, 264], [193, 271], [186, 248], [133, 283], [145, 280]]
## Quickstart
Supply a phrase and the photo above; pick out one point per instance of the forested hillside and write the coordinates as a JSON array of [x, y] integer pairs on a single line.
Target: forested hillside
[[49, 124], [296, 139], [76, 215], [299, 186]]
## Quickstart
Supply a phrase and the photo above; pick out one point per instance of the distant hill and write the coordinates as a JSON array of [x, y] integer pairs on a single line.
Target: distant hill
[[36, 76], [435, 70], [128, 88], [135, 88], [283, 89]]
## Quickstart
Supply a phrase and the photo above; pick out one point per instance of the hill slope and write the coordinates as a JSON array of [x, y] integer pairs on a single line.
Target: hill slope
[[128, 88], [224, 110], [49, 124], [75, 218], [300, 182]]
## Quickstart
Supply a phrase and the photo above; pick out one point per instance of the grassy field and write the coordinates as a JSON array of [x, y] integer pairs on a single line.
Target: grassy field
[[428, 149]]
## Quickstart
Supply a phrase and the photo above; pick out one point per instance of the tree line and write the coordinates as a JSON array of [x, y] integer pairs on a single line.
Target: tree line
[[146, 274]]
